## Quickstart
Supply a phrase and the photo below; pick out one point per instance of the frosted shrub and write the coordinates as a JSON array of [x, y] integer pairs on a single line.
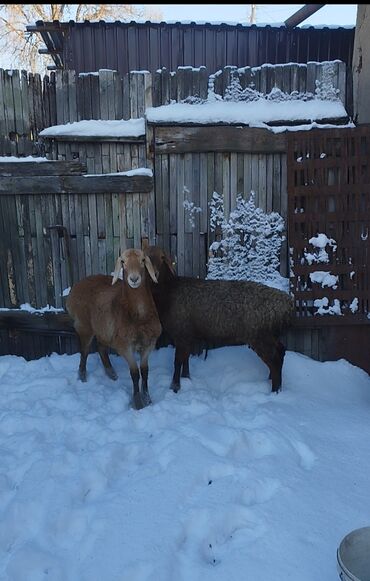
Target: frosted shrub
[[235, 93], [247, 245]]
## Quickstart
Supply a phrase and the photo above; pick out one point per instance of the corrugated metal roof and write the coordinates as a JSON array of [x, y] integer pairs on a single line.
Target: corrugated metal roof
[[137, 45]]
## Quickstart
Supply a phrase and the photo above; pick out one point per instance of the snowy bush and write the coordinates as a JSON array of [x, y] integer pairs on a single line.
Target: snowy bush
[[234, 91], [247, 245]]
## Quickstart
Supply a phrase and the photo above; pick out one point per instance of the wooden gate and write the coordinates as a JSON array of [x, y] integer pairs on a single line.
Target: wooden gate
[[191, 162], [329, 243]]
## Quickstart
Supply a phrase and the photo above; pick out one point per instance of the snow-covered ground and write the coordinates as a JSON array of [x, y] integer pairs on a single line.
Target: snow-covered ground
[[224, 481]]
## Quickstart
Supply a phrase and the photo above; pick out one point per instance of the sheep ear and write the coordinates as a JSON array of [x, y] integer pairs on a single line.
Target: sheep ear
[[149, 266], [117, 270]]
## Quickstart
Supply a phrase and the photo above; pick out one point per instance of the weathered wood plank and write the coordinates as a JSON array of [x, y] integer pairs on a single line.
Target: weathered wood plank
[[203, 193], [84, 184], [210, 190], [3, 118], [133, 96], [255, 177], [233, 178], [180, 183], [222, 138], [166, 193], [47, 168], [262, 179], [93, 138], [136, 198], [149, 155], [29, 228], [106, 89], [126, 114], [72, 96], [5, 256], [127, 203], [144, 200], [18, 113], [195, 198]]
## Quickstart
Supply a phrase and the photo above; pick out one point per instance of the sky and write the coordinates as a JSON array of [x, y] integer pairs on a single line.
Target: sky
[[222, 481], [331, 14]]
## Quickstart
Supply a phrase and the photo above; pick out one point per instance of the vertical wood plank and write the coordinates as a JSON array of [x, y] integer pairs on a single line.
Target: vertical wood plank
[[180, 255]]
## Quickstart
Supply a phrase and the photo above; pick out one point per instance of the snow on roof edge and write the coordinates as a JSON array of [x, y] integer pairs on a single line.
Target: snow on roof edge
[[198, 23]]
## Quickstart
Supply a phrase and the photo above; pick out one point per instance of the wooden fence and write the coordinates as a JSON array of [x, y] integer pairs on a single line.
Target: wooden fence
[[29, 103], [329, 224], [60, 225], [187, 163]]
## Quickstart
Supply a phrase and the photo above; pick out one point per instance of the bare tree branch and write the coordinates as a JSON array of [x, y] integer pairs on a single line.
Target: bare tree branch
[[24, 46]]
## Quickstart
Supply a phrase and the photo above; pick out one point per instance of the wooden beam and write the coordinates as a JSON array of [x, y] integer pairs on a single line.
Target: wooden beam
[[302, 14], [36, 322], [44, 168], [220, 138], [89, 184], [94, 138]]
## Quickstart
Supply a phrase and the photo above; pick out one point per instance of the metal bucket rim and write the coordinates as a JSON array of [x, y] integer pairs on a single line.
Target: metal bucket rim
[[345, 570], [350, 575]]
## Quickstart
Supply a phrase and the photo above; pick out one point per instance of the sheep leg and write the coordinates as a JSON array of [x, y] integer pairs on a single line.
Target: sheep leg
[[144, 371], [181, 362], [185, 368], [271, 351], [280, 354], [108, 367], [85, 342], [137, 401], [136, 395], [144, 385], [175, 384]]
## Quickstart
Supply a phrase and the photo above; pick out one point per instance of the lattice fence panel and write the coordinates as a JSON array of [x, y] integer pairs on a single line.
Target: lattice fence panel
[[329, 223]]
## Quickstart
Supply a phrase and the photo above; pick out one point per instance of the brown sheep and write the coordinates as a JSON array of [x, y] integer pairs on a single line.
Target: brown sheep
[[121, 315], [197, 314]]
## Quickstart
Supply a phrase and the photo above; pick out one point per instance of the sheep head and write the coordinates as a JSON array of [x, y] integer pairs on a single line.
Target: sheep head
[[162, 264], [133, 262]]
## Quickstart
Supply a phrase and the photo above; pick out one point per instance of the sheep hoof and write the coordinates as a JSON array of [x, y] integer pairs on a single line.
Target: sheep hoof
[[138, 403], [82, 376], [146, 398], [111, 373], [175, 387], [276, 389]]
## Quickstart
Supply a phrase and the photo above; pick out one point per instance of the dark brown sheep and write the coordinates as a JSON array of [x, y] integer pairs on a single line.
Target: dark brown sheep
[[121, 314], [197, 314]]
